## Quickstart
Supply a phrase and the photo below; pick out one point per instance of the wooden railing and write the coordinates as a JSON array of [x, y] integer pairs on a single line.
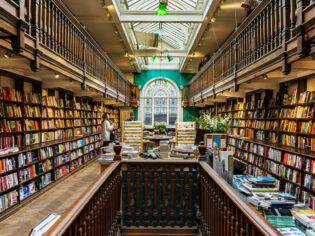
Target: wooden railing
[[51, 26], [97, 211], [267, 30], [224, 212], [161, 195]]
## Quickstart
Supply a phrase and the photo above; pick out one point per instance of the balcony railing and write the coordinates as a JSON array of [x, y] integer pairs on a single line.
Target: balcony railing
[[47, 29], [266, 33], [159, 195]]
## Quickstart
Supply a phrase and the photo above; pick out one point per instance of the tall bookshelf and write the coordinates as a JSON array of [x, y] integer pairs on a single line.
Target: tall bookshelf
[[279, 137], [45, 135]]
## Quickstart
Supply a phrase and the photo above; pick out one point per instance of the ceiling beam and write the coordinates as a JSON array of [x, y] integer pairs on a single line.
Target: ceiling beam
[[157, 52], [152, 17]]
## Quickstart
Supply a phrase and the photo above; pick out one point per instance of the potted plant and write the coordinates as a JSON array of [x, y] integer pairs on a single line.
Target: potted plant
[[212, 129], [159, 126]]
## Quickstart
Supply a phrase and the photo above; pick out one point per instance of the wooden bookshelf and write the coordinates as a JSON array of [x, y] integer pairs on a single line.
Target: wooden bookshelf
[[272, 143], [40, 123]]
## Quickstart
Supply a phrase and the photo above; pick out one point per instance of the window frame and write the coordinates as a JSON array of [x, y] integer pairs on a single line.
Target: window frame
[[153, 105]]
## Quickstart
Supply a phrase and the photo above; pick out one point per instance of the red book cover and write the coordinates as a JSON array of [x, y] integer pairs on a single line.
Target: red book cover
[[285, 157]]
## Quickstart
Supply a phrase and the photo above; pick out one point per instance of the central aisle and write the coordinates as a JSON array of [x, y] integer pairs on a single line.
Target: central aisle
[[57, 199]]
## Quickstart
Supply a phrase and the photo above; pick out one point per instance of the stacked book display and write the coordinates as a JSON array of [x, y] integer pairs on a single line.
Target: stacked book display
[[185, 133], [132, 134]]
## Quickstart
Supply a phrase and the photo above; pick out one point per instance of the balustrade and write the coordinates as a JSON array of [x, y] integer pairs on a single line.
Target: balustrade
[[52, 27], [161, 195], [266, 30]]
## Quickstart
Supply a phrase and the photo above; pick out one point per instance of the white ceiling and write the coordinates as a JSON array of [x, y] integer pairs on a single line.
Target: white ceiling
[[186, 33]]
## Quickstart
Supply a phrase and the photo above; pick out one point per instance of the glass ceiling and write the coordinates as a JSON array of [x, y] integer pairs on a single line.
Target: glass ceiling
[[147, 5], [165, 36]]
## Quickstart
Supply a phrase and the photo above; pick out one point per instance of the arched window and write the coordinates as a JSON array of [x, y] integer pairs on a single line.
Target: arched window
[[161, 102]]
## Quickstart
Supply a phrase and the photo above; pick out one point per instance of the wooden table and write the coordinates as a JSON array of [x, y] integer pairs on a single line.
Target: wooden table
[[157, 138]]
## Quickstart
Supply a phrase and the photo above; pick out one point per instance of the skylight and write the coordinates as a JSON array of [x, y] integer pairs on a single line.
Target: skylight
[[161, 36]]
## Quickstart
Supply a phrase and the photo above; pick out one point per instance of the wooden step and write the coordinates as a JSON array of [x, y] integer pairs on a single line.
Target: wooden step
[[157, 231]]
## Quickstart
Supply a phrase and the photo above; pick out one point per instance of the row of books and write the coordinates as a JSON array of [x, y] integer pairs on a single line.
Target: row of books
[[61, 171], [45, 166], [61, 159], [11, 126], [306, 143], [7, 164], [7, 200], [27, 158], [31, 125], [32, 111], [45, 180], [307, 127], [13, 110], [27, 190], [75, 164], [10, 142], [8, 94], [258, 149], [8, 181], [77, 153], [27, 173], [288, 126], [238, 123]]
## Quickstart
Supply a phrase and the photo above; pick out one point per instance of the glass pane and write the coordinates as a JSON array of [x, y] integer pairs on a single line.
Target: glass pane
[[173, 102], [148, 102], [161, 93], [172, 120], [148, 120], [148, 111], [160, 114], [173, 111], [160, 102]]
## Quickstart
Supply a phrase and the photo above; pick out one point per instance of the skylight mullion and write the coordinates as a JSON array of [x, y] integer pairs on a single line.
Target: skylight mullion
[[189, 3], [172, 32], [176, 30]]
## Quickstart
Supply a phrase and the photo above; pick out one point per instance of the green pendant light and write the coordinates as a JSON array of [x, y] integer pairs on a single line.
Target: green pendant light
[[161, 10], [169, 58], [153, 59]]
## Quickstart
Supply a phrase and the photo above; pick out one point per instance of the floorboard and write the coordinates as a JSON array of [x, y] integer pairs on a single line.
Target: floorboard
[[57, 199]]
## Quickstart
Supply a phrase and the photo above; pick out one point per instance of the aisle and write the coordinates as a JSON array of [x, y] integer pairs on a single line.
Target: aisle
[[57, 199]]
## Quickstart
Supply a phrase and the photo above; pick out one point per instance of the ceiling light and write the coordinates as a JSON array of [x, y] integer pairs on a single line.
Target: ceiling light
[[213, 19], [265, 77], [169, 58], [56, 75], [153, 59], [162, 9]]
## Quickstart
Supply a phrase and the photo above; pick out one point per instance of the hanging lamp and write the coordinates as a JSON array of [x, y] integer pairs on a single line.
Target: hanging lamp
[[162, 8]]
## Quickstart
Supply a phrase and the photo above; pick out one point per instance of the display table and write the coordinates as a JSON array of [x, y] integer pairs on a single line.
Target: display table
[[157, 138]]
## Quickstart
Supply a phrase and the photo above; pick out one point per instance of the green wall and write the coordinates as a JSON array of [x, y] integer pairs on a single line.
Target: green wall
[[189, 113]]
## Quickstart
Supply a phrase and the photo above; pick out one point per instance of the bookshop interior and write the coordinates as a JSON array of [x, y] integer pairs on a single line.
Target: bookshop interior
[[157, 117]]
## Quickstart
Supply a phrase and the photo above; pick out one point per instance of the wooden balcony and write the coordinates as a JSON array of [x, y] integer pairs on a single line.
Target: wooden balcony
[[44, 35], [161, 198], [276, 39]]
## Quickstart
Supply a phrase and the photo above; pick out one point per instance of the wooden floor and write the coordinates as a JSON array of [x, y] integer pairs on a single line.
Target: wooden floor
[[57, 199]]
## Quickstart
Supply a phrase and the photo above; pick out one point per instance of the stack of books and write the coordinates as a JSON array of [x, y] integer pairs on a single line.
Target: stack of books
[[164, 149], [249, 185]]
